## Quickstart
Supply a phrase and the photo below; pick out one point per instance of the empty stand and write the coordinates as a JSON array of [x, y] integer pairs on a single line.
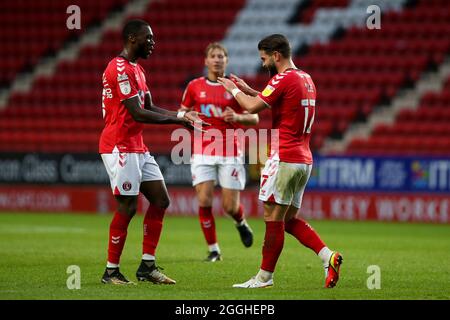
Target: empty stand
[[424, 131], [34, 29], [308, 8], [366, 67], [68, 103], [353, 73]]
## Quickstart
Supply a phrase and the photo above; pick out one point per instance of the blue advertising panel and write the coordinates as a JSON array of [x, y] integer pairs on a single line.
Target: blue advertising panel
[[380, 174]]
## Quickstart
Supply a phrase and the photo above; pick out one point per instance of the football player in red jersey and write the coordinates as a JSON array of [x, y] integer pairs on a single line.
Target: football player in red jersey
[[291, 95], [220, 109], [127, 105]]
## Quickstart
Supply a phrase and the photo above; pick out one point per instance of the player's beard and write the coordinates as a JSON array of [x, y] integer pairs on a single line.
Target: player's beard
[[272, 70], [271, 67]]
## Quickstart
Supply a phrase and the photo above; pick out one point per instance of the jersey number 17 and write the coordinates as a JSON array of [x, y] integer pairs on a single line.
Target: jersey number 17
[[309, 104]]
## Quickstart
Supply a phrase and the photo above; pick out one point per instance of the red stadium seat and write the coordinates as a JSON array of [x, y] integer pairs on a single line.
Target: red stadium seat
[[63, 111], [353, 73]]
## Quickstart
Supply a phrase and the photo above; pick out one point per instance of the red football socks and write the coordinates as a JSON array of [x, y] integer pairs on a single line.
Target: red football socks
[[239, 216], [117, 236], [208, 224], [273, 244], [304, 233], [153, 222]]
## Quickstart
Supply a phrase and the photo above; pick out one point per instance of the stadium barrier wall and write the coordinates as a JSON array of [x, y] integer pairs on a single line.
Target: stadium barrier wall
[[352, 206], [410, 189], [371, 174]]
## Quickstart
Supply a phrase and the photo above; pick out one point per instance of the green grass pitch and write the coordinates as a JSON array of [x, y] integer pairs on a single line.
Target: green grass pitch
[[36, 249]]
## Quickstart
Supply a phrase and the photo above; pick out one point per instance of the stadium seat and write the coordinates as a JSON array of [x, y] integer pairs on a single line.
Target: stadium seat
[[353, 73]]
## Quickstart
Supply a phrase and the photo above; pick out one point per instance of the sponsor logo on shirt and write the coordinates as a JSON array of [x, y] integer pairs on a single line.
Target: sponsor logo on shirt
[[210, 110], [122, 77], [202, 94], [125, 87], [268, 91]]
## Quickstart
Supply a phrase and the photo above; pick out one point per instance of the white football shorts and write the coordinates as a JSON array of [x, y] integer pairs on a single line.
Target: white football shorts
[[127, 170], [228, 171], [284, 183]]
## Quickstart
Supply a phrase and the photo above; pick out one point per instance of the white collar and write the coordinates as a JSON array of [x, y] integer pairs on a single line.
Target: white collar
[[211, 83]]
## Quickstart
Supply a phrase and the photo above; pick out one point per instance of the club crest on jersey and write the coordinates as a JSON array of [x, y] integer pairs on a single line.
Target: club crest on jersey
[[268, 90], [125, 87], [126, 186]]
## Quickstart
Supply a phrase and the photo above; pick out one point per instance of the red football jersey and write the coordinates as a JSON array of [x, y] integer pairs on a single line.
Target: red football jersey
[[292, 98], [211, 99], [122, 80]]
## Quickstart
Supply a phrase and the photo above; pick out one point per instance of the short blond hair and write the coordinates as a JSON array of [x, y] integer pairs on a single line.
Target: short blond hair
[[215, 45]]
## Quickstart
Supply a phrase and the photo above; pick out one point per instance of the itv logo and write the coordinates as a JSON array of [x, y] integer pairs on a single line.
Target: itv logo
[[210, 110]]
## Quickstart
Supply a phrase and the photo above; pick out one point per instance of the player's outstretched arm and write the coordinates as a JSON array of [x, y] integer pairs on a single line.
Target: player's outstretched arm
[[149, 116], [184, 108], [188, 120], [148, 104], [229, 115], [192, 116], [247, 102], [243, 86]]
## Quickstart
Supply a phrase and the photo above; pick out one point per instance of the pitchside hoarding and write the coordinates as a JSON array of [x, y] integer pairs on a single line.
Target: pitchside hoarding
[[375, 174], [409, 189], [73, 169], [353, 206]]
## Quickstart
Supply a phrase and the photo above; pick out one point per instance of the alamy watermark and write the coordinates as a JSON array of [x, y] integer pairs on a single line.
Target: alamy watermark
[[224, 143], [373, 21], [374, 280], [74, 20], [74, 279]]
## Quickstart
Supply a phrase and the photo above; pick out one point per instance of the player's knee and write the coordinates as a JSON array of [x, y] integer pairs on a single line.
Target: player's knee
[[289, 226], [164, 202], [127, 206], [129, 210], [230, 208], [132, 211], [204, 200]]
